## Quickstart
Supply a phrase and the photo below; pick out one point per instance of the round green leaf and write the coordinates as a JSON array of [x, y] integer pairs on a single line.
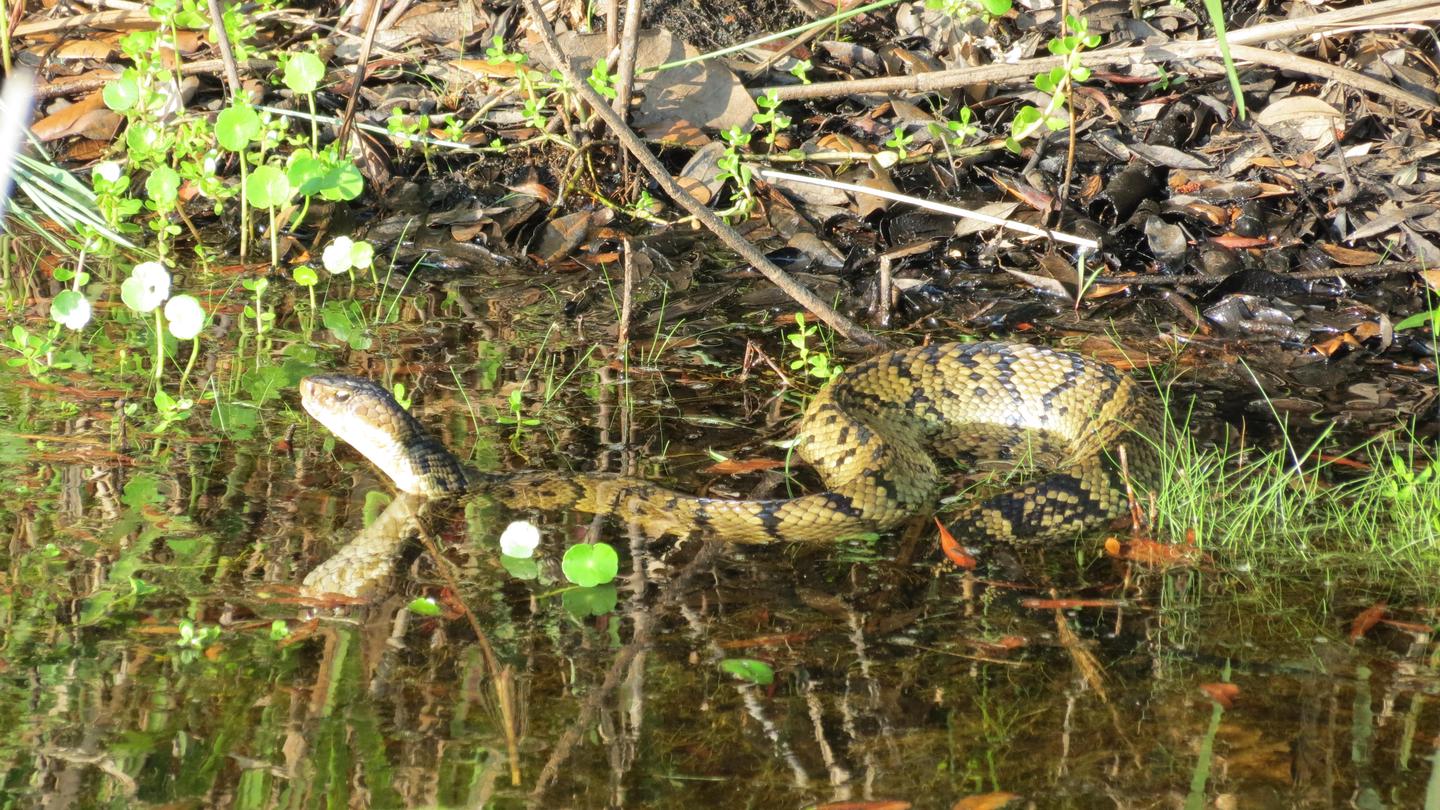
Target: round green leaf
[[70, 309], [424, 606], [305, 275], [589, 565], [144, 139], [996, 8], [520, 567], [362, 253], [267, 186], [237, 126], [163, 186], [303, 72], [306, 172], [750, 669], [185, 316], [583, 602], [122, 94], [344, 182], [147, 287]]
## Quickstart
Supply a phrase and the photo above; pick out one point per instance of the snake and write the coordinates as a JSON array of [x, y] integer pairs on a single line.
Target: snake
[[874, 434]]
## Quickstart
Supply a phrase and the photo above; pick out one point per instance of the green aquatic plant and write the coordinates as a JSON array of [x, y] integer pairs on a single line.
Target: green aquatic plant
[[1055, 83], [814, 361]]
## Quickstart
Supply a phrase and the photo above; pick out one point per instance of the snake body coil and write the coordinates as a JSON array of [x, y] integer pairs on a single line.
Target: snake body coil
[[870, 434]]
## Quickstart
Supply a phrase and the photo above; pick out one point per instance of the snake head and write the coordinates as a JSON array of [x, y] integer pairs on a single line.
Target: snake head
[[365, 416]]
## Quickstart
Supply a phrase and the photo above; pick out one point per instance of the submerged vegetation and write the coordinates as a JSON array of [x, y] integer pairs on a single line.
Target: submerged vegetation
[[456, 221]]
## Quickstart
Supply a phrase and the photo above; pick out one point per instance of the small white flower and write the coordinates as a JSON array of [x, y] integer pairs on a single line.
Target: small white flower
[[185, 316], [147, 287], [520, 539], [336, 257], [109, 171], [71, 310]]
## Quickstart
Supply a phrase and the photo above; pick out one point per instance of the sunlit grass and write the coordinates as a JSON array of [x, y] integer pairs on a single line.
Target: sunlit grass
[[1375, 507]]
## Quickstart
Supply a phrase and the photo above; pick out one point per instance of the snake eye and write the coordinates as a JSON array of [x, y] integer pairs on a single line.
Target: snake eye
[[341, 396]]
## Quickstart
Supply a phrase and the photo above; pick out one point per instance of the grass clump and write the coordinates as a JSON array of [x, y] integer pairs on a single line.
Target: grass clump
[[1376, 505]]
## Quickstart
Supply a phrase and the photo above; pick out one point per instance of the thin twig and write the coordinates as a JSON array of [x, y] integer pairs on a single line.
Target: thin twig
[[942, 208], [629, 48], [1407, 11], [227, 55], [732, 239], [627, 297], [361, 63]]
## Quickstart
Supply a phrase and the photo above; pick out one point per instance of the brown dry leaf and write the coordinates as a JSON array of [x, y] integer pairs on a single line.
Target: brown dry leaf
[[1309, 117], [1045, 283], [986, 801], [486, 69], [1329, 347], [1431, 279], [89, 117], [1351, 257], [435, 23], [680, 133], [68, 49], [124, 20], [1125, 358], [867, 204], [706, 94], [701, 175], [1152, 554], [561, 236], [1070, 604], [1222, 693], [1003, 646], [879, 804], [1239, 242], [839, 142], [1367, 619], [735, 466]]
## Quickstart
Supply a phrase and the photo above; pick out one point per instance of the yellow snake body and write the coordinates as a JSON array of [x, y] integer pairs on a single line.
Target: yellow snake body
[[872, 435]]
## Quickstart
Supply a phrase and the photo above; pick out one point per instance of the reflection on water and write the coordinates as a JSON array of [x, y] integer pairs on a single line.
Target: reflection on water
[[159, 647]]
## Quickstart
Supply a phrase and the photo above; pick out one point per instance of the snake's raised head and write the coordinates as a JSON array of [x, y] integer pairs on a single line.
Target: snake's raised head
[[365, 416]]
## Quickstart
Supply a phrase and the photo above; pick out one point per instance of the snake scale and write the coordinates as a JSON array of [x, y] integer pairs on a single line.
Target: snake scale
[[872, 434]]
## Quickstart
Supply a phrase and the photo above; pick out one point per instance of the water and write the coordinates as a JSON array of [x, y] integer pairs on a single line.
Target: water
[[158, 650]]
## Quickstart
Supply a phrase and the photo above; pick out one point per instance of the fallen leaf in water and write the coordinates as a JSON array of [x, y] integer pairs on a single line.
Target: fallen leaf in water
[[1068, 604], [1351, 257], [1329, 347], [881, 804], [986, 801], [735, 466], [953, 550], [1222, 693], [561, 236], [1367, 619], [1152, 554]]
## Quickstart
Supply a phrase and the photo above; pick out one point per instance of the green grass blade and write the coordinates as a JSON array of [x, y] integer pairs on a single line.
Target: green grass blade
[[1217, 19]]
